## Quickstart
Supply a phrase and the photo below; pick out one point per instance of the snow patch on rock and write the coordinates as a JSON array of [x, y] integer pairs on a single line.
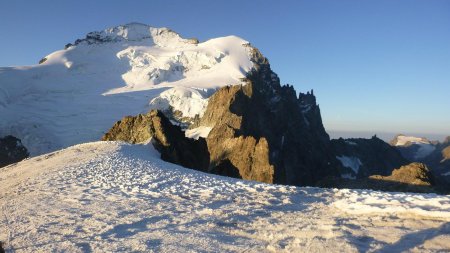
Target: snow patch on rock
[[195, 133], [350, 162]]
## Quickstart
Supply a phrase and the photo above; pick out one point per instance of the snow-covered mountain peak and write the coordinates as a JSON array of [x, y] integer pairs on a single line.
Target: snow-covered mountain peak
[[163, 37], [76, 94], [413, 148], [403, 140]]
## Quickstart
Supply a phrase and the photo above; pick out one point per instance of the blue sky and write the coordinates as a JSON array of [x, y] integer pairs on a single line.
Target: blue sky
[[375, 66]]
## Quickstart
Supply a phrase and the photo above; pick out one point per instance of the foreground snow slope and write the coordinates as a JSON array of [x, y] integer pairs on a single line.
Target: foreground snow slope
[[108, 196], [78, 93]]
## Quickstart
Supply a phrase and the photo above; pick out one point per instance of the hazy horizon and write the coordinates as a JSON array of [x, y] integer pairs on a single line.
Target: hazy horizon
[[385, 136]]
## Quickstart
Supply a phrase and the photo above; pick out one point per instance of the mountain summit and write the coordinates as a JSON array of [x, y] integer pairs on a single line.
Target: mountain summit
[[258, 130], [76, 94], [163, 37], [222, 90]]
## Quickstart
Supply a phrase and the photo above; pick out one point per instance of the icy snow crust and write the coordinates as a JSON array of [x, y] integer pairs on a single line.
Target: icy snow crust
[[78, 94], [116, 197]]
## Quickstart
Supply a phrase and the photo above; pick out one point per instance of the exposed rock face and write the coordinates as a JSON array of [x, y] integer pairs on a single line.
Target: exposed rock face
[[130, 32], [11, 150], [168, 139], [42, 60], [260, 131], [439, 159], [376, 156], [412, 174], [436, 155], [132, 129], [266, 132], [439, 163], [414, 177]]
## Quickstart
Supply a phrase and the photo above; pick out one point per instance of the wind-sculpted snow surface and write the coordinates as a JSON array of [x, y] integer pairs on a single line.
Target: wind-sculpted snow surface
[[77, 94], [112, 197]]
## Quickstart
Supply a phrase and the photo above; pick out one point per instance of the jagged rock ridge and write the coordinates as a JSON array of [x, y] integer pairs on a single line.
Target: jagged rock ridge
[[412, 174], [414, 177], [266, 117], [167, 138], [373, 157], [263, 131]]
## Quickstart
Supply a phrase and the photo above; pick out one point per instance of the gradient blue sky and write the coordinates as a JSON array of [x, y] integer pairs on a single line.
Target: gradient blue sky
[[375, 66]]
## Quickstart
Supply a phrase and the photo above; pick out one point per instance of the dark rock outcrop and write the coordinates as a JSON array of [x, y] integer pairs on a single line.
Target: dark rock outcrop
[[115, 35], [439, 159], [42, 60], [436, 155], [68, 45], [167, 138], [414, 177], [376, 156], [11, 150], [266, 132], [132, 129], [439, 163], [411, 174]]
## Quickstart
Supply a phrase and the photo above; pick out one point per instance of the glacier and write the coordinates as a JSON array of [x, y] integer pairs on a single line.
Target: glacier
[[78, 93]]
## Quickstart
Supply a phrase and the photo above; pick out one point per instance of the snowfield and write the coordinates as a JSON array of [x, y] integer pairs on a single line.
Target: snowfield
[[402, 140], [425, 147], [77, 94], [112, 196]]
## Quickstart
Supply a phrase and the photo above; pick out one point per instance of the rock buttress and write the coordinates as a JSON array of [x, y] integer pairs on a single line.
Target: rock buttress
[[167, 138]]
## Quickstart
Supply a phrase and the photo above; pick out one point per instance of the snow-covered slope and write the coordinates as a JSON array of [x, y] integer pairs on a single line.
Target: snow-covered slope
[[421, 147], [109, 197], [402, 140], [78, 93]]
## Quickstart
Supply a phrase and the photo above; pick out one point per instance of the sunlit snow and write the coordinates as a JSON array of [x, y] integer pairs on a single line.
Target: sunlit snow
[[110, 196], [77, 94]]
